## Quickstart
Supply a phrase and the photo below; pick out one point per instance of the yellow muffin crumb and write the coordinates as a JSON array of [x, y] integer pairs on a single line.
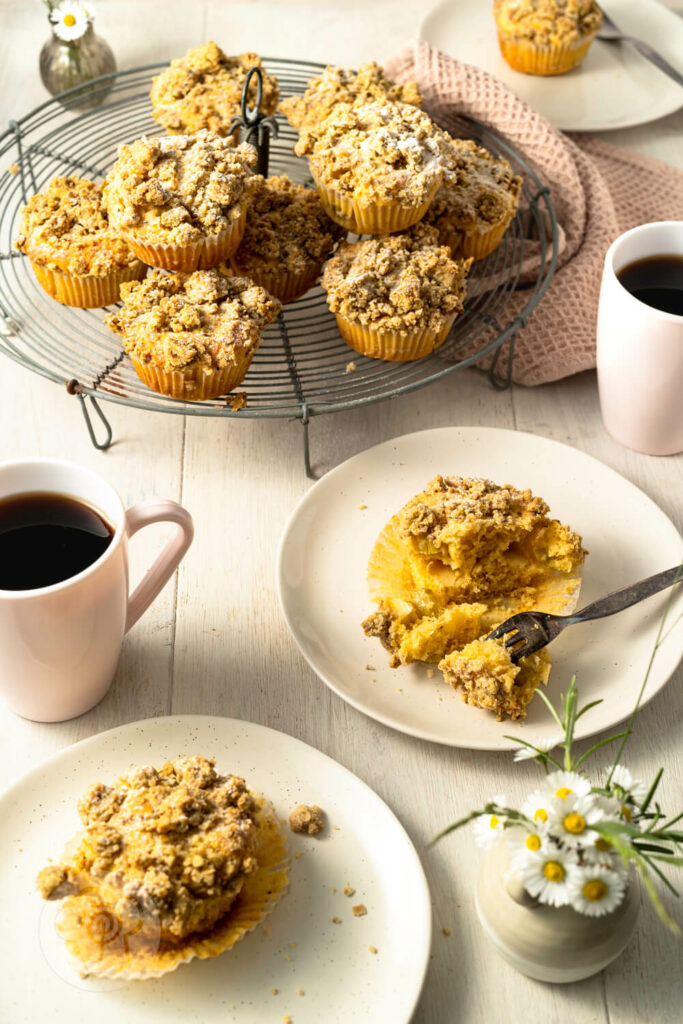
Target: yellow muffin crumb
[[359, 910]]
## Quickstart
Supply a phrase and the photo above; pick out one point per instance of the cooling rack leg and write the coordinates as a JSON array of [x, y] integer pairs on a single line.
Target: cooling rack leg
[[100, 445], [307, 451]]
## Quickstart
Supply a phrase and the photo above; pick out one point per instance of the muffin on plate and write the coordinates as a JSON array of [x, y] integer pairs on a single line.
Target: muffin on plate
[[287, 238], [192, 336], [174, 863], [377, 166], [76, 255], [395, 297], [488, 678], [181, 201], [340, 85], [203, 89], [546, 37], [477, 200]]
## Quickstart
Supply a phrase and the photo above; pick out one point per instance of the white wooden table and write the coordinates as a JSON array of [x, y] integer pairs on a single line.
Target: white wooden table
[[215, 642]]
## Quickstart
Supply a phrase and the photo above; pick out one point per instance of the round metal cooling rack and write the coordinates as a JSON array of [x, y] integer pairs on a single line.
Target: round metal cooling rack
[[301, 368]]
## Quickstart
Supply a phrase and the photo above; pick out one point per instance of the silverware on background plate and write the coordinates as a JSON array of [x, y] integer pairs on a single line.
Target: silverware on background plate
[[610, 33], [529, 631]]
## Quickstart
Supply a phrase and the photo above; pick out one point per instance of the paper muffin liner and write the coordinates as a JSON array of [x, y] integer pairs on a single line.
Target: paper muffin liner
[[201, 255], [532, 59], [87, 291], [370, 219], [394, 346], [195, 383], [89, 928], [479, 244], [283, 285], [388, 573]]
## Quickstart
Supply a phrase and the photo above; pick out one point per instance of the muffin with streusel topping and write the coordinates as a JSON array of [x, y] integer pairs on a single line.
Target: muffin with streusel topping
[[76, 255], [340, 85], [181, 201], [477, 200], [546, 37], [203, 89], [376, 166], [193, 336], [287, 238], [395, 297]]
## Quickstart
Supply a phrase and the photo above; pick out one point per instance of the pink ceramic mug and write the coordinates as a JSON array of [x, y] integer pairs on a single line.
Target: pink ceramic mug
[[640, 349], [59, 645]]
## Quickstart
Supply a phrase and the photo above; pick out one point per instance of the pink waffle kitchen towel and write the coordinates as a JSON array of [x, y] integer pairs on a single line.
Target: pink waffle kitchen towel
[[598, 191]]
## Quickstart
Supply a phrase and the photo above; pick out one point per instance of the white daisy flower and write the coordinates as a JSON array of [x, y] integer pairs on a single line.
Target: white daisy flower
[[595, 889], [537, 806], [636, 788], [571, 818], [561, 784], [546, 875], [69, 21], [488, 828], [540, 746], [523, 841]]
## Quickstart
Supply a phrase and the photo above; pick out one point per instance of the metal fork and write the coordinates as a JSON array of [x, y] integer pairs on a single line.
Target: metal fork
[[610, 33], [532, 630]]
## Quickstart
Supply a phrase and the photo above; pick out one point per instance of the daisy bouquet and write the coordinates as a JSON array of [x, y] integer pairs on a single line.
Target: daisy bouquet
[[69, 19], [575, 841]]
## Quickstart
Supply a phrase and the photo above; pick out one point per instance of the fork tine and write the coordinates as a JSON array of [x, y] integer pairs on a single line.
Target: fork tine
[[513, 641]]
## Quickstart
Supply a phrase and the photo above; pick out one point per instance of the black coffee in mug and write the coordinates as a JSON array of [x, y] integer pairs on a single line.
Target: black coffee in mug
[[47, 538], [657, 281]]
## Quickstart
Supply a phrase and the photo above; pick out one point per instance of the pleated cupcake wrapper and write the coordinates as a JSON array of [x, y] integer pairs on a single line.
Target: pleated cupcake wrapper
[[201, 255], [394, 346], [88, 291], [283, 285], [130, 959], [194, 383], [370, 219], [543, 60]]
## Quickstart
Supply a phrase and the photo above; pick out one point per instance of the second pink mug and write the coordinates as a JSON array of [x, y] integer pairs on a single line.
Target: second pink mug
[[60, 644]]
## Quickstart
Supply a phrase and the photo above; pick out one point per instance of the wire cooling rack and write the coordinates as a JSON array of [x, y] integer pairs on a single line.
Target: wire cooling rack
[[302, 366]]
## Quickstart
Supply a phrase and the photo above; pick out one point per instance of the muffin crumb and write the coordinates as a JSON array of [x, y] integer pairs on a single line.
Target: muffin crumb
[[362, 506], [350, 367], [336, 920], [372, 949], [446, 931], [238, 401], [307, 819], [349, 890], [359, 910]]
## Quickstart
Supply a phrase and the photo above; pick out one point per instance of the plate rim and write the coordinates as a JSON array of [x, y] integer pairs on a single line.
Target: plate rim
[[422, 885], [583, 126], [384, 719]]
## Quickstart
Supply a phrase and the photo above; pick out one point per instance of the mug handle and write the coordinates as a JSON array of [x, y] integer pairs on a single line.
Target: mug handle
[[166, 563]]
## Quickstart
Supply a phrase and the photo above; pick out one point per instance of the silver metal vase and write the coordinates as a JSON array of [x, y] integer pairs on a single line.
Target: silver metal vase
[[66, 65]]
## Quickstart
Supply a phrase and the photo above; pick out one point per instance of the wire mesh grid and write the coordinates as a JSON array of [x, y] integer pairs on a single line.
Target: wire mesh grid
[[300, 368]]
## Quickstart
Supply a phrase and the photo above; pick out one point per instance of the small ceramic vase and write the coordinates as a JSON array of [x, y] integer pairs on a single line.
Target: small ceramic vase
[[548, 943], [66, 65]]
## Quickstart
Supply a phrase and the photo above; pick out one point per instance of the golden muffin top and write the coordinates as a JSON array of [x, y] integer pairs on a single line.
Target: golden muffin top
[[341, 85], [477, 188], [554, 22], [376, 152], [66, 227], [397, 282], [174, 320], [177, 189], [286, 227], [203, 89]]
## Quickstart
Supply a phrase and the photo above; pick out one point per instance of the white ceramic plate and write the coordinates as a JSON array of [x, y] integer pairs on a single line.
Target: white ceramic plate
[[614, 87], [327, 542], [343, 982]]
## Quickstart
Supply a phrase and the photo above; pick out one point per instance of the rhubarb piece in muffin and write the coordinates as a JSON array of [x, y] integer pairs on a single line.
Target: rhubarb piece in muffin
[[203, 89], [287, 238], [340, 85], [488, 678], [477, 200], [181, 201], [76, 255], [193, 336], [377, 166], [546, 37], [395, 297], [167, 868]]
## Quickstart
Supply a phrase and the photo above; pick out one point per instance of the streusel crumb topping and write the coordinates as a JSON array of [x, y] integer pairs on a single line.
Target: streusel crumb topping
[[377, 152], [287, 227], [179, 188], [203, 89], [548, 22], [477, 188], [396, 282], [451, 503], [173, 320], [341, 85], [67, 228]]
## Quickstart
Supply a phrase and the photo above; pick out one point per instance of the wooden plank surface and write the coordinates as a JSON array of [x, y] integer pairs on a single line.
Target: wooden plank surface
[[215, 642]]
